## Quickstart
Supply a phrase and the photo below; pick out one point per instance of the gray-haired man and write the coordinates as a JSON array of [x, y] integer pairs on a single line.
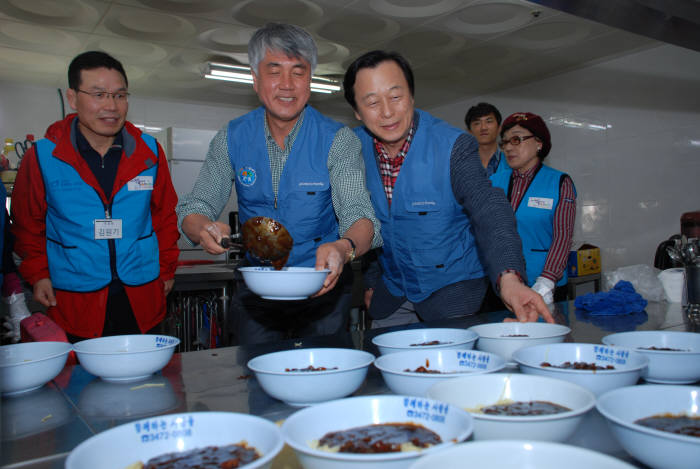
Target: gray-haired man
[[290, 163]]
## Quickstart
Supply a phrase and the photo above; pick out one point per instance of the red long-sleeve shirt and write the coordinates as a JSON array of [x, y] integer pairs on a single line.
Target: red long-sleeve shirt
[[83, 314]]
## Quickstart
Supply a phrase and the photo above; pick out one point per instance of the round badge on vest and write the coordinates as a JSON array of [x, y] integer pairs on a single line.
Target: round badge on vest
[[247, 176]]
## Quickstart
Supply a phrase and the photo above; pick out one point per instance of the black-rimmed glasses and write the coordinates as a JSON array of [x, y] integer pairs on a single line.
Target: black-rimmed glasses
[[515, 141], [119, 96]]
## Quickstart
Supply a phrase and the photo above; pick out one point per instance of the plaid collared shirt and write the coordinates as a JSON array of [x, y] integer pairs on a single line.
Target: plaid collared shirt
[[389, 167]]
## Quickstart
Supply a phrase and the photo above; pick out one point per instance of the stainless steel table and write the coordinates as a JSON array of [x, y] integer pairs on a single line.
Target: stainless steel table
[[39, 429]]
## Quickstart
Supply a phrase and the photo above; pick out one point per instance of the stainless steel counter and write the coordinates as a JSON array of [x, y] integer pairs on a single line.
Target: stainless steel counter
[[39, 429]]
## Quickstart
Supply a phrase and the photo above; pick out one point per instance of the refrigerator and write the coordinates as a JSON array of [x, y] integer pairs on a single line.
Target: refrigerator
[[186, 150]]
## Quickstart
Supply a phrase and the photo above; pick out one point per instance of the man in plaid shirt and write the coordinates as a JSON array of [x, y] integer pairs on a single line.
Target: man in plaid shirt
[[446, 230]]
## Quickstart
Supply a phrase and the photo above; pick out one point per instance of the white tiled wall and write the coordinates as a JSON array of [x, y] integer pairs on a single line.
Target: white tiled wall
[[628, 132], [31, 109]]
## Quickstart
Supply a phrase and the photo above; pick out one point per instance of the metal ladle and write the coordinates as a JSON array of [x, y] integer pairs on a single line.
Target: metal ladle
[[265, 239]]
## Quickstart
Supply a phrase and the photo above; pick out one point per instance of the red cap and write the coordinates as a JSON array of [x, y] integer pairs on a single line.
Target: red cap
[[534, 124]]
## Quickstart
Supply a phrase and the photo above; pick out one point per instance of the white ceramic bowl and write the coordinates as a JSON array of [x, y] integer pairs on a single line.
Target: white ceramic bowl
[[126, 444], [127, 400], [451, 363], [501, 337], [628, 364], [30, 365], [310, 387], [407, 339], [290, 283], [303, 427], [518, 454], [658, 449], [473, 392], [124, 358], [667, 367]]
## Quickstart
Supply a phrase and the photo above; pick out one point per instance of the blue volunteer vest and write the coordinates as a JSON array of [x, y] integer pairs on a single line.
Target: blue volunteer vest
[[428, 239], [535, 217], [303, 204], [79, 262]]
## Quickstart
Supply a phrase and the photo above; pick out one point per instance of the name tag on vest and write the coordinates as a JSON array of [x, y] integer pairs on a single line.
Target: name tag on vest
[[108, 228], [540, 202], [141, 183]]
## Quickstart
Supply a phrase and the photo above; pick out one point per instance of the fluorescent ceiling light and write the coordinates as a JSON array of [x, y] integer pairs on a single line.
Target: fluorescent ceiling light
[[241, 74]]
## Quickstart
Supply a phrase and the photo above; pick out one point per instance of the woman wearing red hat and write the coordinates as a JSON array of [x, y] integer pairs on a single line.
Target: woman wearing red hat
[[544, 202]]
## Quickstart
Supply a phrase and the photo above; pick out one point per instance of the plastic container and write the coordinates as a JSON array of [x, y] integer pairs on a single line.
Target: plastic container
[[672, 281]]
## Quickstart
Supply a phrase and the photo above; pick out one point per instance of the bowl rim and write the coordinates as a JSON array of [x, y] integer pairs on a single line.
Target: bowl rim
[[687, 353], [534, 418], [268, 457], [41, 359], [564, 331], [285, 270], [510, 444], [77, 346], [455, 374], [375, 457], [634, 368], [641, 428], [473, 338], [368, 356]]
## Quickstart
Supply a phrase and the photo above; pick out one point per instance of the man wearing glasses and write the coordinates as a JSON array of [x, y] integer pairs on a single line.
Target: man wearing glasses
[[93, 212]]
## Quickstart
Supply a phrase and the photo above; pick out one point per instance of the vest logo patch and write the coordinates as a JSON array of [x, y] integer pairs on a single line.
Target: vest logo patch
[[141, 183], [247, 176], [540, 202]]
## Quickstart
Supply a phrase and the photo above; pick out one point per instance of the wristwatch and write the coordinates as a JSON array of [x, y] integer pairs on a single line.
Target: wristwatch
[[352, 251]]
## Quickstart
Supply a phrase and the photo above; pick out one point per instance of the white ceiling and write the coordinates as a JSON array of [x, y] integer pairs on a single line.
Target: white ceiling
[[458, 48]]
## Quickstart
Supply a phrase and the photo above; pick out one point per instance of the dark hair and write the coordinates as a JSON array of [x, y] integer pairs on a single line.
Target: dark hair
[[89, 61], [481, 110], [371, 60]]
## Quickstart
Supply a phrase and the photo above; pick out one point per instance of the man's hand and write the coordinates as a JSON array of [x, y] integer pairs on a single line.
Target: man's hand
[[330, 256], [201, 230], [522, 300], [43, 292], [210, 237], [168, 286]]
